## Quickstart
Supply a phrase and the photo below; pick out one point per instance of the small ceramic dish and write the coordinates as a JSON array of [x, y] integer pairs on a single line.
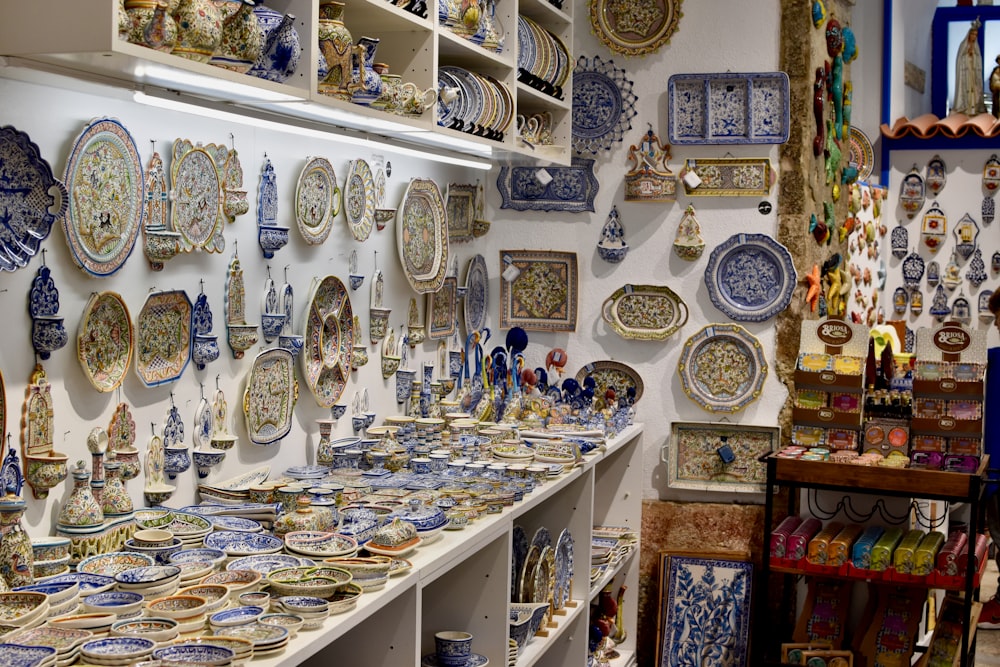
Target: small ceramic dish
[[153, 537], [235, 616], [255, 599], [215, 556], [68, 607], [124, 648], [188, 625], [216, 595], [58, 592], [64, 640], [194, 570], [237, 581], [21, 609], [289, 621], [303, 604], [147, 577], [345, 598], [111, 564], [179, 607], [158, 629], [121, 603], [201, 654], [97, 622], [154, 592], [242, 648], [153, 519], [263, 637]]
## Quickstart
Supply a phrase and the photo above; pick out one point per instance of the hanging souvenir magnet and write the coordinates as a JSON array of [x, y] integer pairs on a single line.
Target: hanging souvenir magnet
[[911, 196], [933, 274], [936, 175], [916, 303], [939, 305], [913, 271], [991, 175], [612, 246], [976, 273], [984, 305], [688, 243], [966, 232], [934, 227], [899, 240], [899, 300], [961, 310], [951, 277]]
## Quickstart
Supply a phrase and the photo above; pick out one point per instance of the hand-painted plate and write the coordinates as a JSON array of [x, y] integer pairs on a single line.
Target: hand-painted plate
[[750, 277], [270, 396], [104, 341], [359, 199], [477, 294], [861, 152], [329, 340], [635, 28], [611, 374], [196, 191], [722, 368], [317, 200], [422, 235], [163, 337], [564, 569], [106, 187], [603, 105], [644, 312]]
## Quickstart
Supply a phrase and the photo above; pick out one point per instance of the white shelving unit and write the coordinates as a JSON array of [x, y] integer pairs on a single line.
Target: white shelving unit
[[84, 42], [462, 581]]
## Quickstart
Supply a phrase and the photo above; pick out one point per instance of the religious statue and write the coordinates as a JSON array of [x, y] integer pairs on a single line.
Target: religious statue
[[969, 74], [995, 88]]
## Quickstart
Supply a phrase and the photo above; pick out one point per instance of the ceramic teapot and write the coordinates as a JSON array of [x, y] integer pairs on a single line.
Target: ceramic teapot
[[280, 47]]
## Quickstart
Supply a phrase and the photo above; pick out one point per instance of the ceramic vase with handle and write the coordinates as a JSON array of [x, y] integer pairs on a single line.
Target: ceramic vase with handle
[[366, 83], [336, 46], [281, 49], [199, 30]]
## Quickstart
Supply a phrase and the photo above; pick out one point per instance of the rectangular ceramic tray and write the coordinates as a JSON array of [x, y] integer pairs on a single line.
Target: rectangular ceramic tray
[[728, 108]]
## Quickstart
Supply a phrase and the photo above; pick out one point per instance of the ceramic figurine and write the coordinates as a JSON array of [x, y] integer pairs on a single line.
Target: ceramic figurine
[[612, 246], [649, 178], [688, 243], [81, 509], [336, 46], [911, 195], [969, 74], [241, 41], [281, 49]]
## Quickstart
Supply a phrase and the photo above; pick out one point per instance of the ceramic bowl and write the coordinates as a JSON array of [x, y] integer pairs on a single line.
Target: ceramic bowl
[[147, 577], [58, 592], [68, 607], [205, 460], [255, 599], [153, 537], [291, 342], [223, 441], [161, 245], [216, 595], [291, 622], [272, 238], [271, 324], [237, 581], [345, 598], [242, 337], [242, 648], [262, 636], [156, 628], [20, 609], [194, 624], [16, 654], [64, 640], [319, 544], [50, 548], [161, 554], [304, 604], [43, 569], [216, 557], [112, 564], [89, 583], [200, 654], [179, 607], [121, 603], [117, 648], [235, 616], [97, 622], [317, 586]]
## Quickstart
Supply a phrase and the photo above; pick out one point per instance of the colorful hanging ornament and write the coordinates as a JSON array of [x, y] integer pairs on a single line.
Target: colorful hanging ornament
[[933, 274], [934, 227], [939, 305], [936, 175], [976, 273], [899, 300], [916, 303], [991, 175], [612, 246], [911, 195], [951, 278], [966, 233], [961, 310], [984, 305]]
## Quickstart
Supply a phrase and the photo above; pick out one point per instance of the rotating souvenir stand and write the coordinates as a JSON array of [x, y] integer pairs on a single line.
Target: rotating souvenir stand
[[829, 385]]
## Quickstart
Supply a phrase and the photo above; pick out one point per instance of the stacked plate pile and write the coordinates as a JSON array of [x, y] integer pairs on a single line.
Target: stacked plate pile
[[64, 597], [158, 629], [236, 543], [88, 583], [28, 656], [65, 641], [153, 581], [262, 512], [197, 563], [235, 490], [116, 651], [113, 563], [267, 639], [242, 648], [189, 528], [235, 523], [199, 654], [313, 610], [513, 452], [543, 61], [483, 106], [266, 563], [319, 544]]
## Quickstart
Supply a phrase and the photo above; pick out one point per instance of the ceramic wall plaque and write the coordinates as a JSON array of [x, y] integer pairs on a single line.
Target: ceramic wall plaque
[[317, 200], [644, 312], [694, 461], [104, 341], [750, 277], [722, 368], [359, 199], [422, 235], [966, 233], [196, 210], [329, 340], [728, 108], [33, 199], [635, 29], [937, 175], [538, 290], [615, 375], [750, 177], [163, 337], [460, 202], [106, 188], [603, 105], [270, 396], [911, 195], [160, 241], [649, 177], [477, 294], [571, 189], [442, 310]]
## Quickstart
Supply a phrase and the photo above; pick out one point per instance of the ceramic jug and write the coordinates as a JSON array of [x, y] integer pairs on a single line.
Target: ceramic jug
[[280, 48], [115, 501], [199, 30], [366, 84], [16, 554], [336, 46], [81, 509], [241, 41], [150, 23]]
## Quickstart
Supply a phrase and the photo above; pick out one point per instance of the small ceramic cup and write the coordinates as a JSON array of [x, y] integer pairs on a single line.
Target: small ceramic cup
[[453, 648]]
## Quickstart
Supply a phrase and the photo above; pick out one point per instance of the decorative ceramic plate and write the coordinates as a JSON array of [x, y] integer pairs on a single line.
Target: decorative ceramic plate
[[106, 188], [329, 340], [270, 396], [543, 294], [527, 578], [422, 235], [635, 28], [611, 374], [861, 153], [572, 189], [31, 199], [750, 277], [104, 342], [317, 200], [197, 197], [111, 564], [163, 337], [243, 544], [20, 655], [722, 368], [264, 563], [603, 105], [728, 108], [359, 199], [477, 294], [644, 312], [519, 546], [564, 568]]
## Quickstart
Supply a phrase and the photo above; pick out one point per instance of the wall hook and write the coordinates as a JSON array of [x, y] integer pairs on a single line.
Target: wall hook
[[217, 382]]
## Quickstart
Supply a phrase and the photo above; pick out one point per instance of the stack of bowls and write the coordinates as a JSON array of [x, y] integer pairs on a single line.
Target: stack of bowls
[[289, 621], [216, 595], [88, 583], [242, 648], [65, 641], [24, 609], [237, 581], [153, 581], [188, 610], [160, 630], [113, 563], [197, 563], [156, 542], [370, 573], [200, 654], [97, 623], [260, 599], [64, 596], [35, 656], [223, 620], [115, 651], [189, 528], [312, 610], [123, 604], [320, 544], [321, 582], [50, 556], [267, 639]]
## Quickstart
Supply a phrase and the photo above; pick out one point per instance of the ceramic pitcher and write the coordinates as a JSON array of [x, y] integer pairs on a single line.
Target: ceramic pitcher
[[199, 30], [241, 41], [366, 84], [150, 23], [280, 48], [336, 47]]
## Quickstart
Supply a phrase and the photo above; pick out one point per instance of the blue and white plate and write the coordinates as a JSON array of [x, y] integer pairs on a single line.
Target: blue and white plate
[[475, 660], [113, 599], [477, 294], [235, 523], [307, 472], [266, 563], [17, 655], [750, 277], [564, 568], [148, 576], [207, 654], [197, 556], [89, 583], [236, 616], [244, 544], [118, 647]]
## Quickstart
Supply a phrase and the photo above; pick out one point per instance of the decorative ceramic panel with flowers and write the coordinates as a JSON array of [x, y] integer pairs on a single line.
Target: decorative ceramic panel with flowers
[[538, 290]]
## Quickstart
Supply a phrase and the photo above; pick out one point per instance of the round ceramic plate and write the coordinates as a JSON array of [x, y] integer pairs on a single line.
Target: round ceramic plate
[[563, 569], [317, 200], [104, 342], [359, 200], [611, 374], [750, 277], [603, 105], [329, 340], [722, 368], [422, 236], [163, 337], [106, 186], [861, 153], [635, 28], [477, 294]]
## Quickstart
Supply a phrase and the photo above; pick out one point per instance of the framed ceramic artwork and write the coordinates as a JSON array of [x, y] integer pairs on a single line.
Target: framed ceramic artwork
[[422, 235], [635, 29], [538, 290], [104, 341], [106, 197], [317, 200], [196, 196], [704, 609], [33, 199], [571, 189], [442, 310], [644, 312], [359, 199], [728, 108], [163, 337], [329, 340], [603, 105], [750, 277], [722, 368], [460, 202], [270, 396], [612, 375], [728, 177], [719, 457], [477, 294]]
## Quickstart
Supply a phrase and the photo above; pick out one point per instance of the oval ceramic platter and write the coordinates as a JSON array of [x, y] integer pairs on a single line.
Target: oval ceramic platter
[[104, 341], [106, 197], [329, 340], [477, 294], [359, 200], [750, 277], [422, 235], [270, 396], [644, 312], [722, 368], [611, 374], [32, 199], [163, 337], [317, 200]]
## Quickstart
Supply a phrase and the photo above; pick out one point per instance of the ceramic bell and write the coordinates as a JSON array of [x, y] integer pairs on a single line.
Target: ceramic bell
[[976, 273], [939, 305], [934, 227], [933, 274], [911, 196], [936, 175], [991, 175], [966, 233], [688, 243], [612, 246], [899, 240]]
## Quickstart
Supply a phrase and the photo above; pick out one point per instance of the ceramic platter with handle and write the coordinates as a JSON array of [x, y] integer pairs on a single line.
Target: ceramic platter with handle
[[644, 312]]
